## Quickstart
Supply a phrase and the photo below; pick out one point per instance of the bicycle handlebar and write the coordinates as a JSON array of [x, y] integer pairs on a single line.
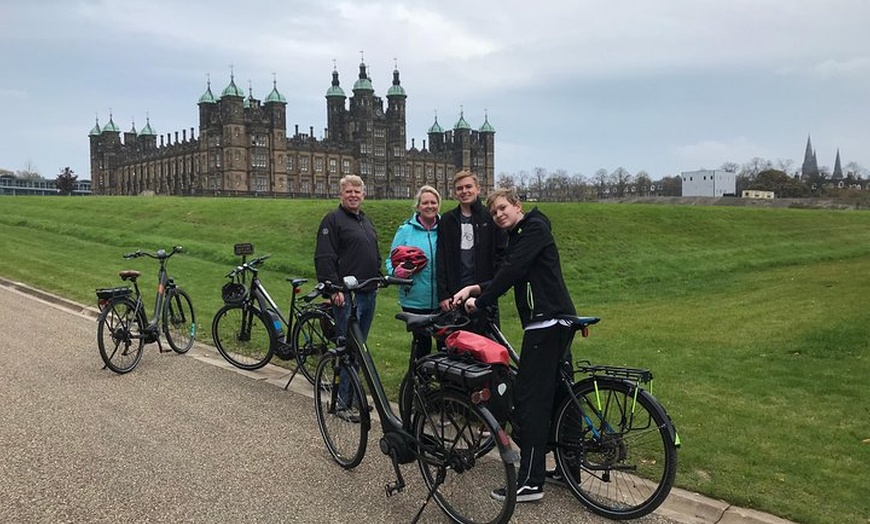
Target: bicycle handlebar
[[351, 284], [251, 266], [160, 255]]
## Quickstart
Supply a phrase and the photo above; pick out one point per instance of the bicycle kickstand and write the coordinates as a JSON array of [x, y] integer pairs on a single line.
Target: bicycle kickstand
[[439, 479], [287, 385]]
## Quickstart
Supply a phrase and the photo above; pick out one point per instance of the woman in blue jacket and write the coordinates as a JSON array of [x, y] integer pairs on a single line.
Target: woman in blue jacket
[[421, 231]]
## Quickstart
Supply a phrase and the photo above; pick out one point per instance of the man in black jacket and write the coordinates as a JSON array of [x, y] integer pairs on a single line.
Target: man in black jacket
[[469, 244], [532, 267], [348, 245]]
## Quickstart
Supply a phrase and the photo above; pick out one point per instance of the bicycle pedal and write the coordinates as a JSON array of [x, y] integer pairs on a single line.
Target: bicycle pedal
[[391, 488]]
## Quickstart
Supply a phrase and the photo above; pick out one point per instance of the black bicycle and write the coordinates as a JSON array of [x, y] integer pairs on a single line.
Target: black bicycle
[[123, 327], [450, 431], [614, 443], [249, 329]]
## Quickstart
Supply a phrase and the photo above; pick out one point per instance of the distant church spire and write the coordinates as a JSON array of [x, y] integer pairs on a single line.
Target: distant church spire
[[838, 171], [810, 166]]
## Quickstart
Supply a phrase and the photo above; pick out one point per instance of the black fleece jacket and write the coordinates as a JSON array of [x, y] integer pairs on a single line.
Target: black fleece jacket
[[346, 245], [489, 242], [532, 267]]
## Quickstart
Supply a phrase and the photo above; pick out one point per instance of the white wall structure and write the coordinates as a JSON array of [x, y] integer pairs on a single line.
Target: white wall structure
[[709, 183]]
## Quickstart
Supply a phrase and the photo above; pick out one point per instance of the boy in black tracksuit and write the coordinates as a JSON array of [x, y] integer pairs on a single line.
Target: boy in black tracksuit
[[532, 267]]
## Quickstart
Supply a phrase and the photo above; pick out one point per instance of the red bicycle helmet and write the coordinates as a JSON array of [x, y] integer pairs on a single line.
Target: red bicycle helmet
[[409, 257]]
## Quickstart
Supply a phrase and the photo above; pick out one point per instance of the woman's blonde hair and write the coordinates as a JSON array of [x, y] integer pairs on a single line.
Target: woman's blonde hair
[[427, 189]]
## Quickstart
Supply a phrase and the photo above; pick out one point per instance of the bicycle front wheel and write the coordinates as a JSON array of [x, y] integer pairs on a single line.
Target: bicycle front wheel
[[455, 459], [243, 336], [120, 329], [614, 448], [179, 320], [312, 337], [341, 410]]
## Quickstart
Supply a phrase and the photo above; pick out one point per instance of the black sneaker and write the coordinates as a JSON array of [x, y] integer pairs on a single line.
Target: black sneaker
[[524, 493], [554, 476]]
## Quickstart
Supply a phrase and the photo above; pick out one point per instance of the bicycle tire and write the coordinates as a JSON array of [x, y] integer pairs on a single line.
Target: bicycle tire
[[243, 335], [120, 330], [622, 466], [310, 342], [344, 422], [455, 440], [179, 320]]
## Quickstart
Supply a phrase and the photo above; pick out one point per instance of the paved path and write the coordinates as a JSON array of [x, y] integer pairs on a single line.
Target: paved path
[[191, 439]]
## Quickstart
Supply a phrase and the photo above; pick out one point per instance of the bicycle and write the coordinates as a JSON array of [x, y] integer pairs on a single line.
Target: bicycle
[[613, 441], [250, 328], [449, 433], [122, 326]]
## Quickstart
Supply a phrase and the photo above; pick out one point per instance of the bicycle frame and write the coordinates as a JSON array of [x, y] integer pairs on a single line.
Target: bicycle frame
[[164, 283], [356, 349]]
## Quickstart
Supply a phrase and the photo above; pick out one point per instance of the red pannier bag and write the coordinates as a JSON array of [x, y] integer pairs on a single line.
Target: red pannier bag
[[478, 347]]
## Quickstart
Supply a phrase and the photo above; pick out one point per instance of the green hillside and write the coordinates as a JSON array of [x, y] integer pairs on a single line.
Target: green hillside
[[755, 321]]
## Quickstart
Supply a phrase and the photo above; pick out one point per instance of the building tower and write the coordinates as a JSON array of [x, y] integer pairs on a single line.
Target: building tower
[[838, 171], [335, 111], [810, 167], [395, 139]]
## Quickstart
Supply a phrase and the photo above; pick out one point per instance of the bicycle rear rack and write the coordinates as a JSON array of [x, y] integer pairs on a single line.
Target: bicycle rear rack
[[637, 375]]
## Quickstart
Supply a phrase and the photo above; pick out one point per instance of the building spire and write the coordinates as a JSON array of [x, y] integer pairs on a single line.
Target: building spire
[[838, 171]]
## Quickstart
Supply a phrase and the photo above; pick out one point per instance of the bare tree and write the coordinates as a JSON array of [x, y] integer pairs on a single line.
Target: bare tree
[[731, 167], [644, 183], [506, 180], [621, 179], [601, 181]]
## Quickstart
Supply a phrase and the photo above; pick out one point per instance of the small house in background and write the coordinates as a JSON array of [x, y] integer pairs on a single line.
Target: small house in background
[[757, 194], [709, 183]]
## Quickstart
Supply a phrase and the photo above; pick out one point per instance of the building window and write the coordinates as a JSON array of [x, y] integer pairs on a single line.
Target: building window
[[260, 183], [318, 165], [258, 141], [289, 163], [345, 166], [259, 159], [303, 164], [380, 151], [333, 165]]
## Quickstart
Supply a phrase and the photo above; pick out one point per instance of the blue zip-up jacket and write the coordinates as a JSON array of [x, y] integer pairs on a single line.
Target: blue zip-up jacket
[[423, 294]]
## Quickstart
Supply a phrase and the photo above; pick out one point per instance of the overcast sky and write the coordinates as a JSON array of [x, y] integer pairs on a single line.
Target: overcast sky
[[662, 86]]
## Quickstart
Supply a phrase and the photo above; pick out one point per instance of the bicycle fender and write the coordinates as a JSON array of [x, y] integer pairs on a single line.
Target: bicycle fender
[[656, 405], [507, 453]]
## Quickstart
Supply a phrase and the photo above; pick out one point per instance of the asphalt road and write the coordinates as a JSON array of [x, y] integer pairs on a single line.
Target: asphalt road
[[180, 439]]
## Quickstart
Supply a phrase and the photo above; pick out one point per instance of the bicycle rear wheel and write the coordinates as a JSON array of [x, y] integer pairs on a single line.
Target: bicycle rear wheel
[[179, 320], [243, 336], [615, 448], [312, 337], [455, 441], [120, 329], [341, 410]]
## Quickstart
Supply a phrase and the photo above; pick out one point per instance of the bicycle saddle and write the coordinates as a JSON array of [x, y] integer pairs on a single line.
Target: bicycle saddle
[[415, 321], [296, 282], [129, 274]]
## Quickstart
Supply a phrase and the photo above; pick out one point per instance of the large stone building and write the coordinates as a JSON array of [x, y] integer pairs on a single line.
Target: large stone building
[[243, 149]]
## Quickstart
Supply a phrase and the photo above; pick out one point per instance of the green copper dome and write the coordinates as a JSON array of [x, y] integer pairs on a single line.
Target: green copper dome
[[111, 127], [232, 89], [436, 128], [461, 123], [486, 127], [396, 89], [364, 83], [207, 97], [96, 129], [147, 130], [275, 96], [335, 89]]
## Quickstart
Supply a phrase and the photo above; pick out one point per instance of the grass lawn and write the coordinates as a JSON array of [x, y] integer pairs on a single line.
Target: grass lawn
[[755, 321]]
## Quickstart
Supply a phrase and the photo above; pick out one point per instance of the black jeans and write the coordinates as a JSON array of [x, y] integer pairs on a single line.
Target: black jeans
[[534, 397]]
